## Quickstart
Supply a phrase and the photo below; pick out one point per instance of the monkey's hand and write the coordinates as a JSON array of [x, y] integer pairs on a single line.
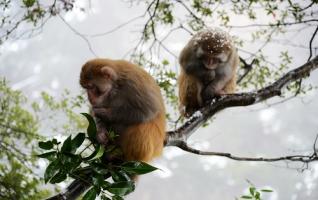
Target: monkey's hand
[[102, 132], [101, 136], [208, 93], [208, 77]]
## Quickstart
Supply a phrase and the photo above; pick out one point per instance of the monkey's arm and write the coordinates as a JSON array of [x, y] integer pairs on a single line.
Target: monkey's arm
[[214, 88], [130, 112]]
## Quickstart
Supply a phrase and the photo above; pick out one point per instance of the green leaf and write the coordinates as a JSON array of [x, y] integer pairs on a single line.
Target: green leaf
[[28, 3], [90, 194], [99, 168], [266, 190], [67, 145], [59, 177], [112, 135], [51, 170], [252, 190], [70, 161], [121, 188], [54, 141], [91, 129], [98, 180], [48, 155], [246, 197], [117, 198], [135, 167], [257, 195], [99, 151], [46, 145], [78, 141], [119, 176], [104, 197]]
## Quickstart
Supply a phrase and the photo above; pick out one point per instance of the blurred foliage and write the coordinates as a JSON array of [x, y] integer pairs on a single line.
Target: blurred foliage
[[89, 162], [21, 122], [18, 130], [15, 16]]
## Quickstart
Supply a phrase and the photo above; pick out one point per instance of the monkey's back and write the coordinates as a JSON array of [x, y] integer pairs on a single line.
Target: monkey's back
[[145, 140], [142, 141]]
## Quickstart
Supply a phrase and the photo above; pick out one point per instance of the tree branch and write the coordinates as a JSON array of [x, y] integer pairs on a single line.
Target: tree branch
[[241, 99], [274, 24], [247, 68], [299, 158]]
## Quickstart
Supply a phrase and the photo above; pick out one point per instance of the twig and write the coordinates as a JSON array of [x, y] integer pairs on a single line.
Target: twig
[[115, 28], [310, 43], [274, 24], [299, 82], [247, 68], [295, 158], [79, 34]]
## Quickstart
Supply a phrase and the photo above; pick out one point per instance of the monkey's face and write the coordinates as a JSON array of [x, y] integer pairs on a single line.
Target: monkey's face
[[213, 47], [98, 90], [98, 82], [213, 61]]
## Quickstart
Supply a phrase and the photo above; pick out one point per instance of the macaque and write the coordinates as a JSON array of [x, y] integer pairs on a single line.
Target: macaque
[[208, 69], [127, 100]]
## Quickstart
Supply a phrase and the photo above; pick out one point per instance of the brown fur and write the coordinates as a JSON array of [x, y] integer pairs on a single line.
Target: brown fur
[[198, 83], [188, 89], [134, 108]]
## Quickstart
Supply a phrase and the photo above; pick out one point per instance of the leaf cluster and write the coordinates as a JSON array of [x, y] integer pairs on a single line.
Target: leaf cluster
[[255, 194], [18, 129], [82, 158]]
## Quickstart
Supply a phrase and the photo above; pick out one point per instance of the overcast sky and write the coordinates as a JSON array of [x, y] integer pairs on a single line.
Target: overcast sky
[[51, 61]]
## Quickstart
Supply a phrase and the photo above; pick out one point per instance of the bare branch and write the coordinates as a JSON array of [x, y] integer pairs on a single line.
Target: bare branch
[[115, 28], [79, 34], [295, 158], [247, 68], [274, 24], [310, 5], [190, 12], [310, 43]]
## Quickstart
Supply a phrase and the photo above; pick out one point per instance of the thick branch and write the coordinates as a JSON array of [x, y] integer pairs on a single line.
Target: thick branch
[[241, 99]]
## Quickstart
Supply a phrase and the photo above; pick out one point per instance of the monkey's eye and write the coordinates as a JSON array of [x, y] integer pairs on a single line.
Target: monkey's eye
[[89, 86], [96, 91]]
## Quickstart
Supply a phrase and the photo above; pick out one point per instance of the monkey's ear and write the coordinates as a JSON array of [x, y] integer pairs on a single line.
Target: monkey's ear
[[108, 73]]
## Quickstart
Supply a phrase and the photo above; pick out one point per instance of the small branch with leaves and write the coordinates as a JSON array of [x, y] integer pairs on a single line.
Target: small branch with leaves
[[95, 167]]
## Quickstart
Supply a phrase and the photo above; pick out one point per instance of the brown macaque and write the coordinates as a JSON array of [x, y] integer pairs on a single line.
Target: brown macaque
[[208, 69], [127, 100]]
